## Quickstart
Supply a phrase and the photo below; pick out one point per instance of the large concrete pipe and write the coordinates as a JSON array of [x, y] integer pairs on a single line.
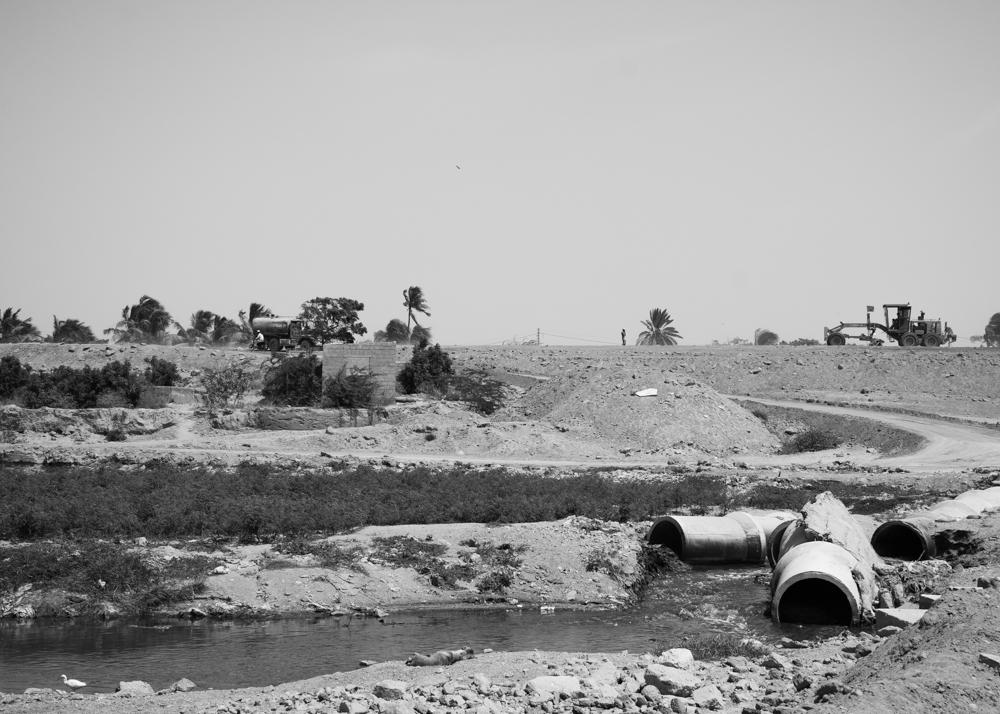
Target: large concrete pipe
[[737, 537], [913, 537], [813, 584]]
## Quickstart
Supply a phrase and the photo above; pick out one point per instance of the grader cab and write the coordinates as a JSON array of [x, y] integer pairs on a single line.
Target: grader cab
[[902, 329]]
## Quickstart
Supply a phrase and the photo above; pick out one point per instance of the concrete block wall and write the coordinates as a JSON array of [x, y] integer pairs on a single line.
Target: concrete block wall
[[379, 358]]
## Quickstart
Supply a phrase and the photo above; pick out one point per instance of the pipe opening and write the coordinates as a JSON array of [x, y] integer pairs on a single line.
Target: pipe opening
[[900, 540], [667, 533], [814, 601]]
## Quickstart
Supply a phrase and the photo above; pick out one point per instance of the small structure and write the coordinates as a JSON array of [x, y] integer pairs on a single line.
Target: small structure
[[378, 358]]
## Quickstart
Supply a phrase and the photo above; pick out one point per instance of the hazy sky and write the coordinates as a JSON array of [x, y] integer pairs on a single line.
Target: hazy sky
[[741, 164]]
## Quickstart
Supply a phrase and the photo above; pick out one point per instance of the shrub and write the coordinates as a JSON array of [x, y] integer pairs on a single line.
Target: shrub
[[483, 393], [350, 391], [161, 372], [294, 381], [13, 376], [116, 383], [713, 647], [429, 370], [811, 440], [225, 387]]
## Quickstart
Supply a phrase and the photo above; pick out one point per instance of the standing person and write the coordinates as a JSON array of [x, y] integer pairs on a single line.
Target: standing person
[[623, 337]]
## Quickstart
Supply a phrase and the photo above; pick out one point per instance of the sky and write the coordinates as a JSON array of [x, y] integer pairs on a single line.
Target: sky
[[555, 166]]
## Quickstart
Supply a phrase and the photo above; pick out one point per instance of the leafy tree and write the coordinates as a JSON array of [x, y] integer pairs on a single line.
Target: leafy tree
[[14, 329], [428, 370], [658, 329], [71, 330], [146, 321], [332, 319], [395, 331], [991, 333], [414, 301], [766, 337]]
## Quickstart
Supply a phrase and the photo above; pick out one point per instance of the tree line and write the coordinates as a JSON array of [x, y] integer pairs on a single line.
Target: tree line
[[325, 319]]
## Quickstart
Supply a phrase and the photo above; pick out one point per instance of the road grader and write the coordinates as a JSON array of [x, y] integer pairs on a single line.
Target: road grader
[[902, 329]]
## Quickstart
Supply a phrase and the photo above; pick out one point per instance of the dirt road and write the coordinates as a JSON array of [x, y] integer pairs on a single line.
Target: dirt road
[[949, 445]]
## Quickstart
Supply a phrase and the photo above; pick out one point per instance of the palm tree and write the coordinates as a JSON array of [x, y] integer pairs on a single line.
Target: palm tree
[[146, 321], [414, 301], [14, 329], [201, 325], [658, 330], [71, 330]]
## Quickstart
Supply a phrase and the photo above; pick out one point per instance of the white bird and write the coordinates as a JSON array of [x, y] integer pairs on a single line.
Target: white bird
[[73, 683]]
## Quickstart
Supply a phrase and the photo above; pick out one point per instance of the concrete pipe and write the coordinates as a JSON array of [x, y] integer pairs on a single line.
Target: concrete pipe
[[912, 538], [906, 538], [737, 537], [813, 584]]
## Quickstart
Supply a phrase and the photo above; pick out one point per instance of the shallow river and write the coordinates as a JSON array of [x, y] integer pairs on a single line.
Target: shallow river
[[223, 655]]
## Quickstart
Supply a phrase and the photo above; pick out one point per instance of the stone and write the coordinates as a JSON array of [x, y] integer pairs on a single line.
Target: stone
[[107, 611], [398, 707], [670, 680], [678, 657], [928, 600], [801, 681], [390, 689], [183, 685], [651, 693], [991, 660], [134, 688], [547, 686], [776, 661], [708, 697], [898, 616], [482, 683], [889, 630]]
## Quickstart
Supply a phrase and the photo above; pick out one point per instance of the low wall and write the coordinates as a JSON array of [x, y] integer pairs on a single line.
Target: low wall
[[378, 358]]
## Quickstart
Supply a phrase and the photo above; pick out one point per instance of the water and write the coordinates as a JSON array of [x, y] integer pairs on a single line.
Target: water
[[223, 655]]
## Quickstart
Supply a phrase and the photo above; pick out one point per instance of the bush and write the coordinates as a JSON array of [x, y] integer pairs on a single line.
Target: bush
[[116, 383], [294, 381], [161, 372], [481, 392], [225, 387], [811, 440], [350, 391], [429, 370]]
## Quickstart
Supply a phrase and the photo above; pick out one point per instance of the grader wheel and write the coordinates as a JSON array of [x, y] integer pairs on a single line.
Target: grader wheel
[[909, 340], [836, 339]]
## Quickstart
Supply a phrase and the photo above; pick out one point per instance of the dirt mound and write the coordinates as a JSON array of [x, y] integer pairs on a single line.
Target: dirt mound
[[85, 422], [601, 404]]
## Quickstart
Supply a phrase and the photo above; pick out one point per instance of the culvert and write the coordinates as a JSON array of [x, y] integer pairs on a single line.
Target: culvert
[[912, 537], [813, 584], [905, 539], [737, 537]]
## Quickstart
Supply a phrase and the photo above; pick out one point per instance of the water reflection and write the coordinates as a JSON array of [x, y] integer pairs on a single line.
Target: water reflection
[[240, 654]]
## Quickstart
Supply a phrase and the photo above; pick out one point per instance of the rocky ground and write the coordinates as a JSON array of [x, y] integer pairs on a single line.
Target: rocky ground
[[572, 405]]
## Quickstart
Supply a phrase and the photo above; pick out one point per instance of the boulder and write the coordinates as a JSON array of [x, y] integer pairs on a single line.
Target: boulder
[[678, 657], [708, 697], [670, 680], [547, 686], [134, 688], [898, 616], [390, 689], [183, 685]]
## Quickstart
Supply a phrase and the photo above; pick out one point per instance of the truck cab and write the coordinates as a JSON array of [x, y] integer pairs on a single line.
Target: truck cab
[[279, 333]]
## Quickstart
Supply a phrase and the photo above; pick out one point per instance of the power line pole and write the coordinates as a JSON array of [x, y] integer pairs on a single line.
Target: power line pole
[[538, 335]]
